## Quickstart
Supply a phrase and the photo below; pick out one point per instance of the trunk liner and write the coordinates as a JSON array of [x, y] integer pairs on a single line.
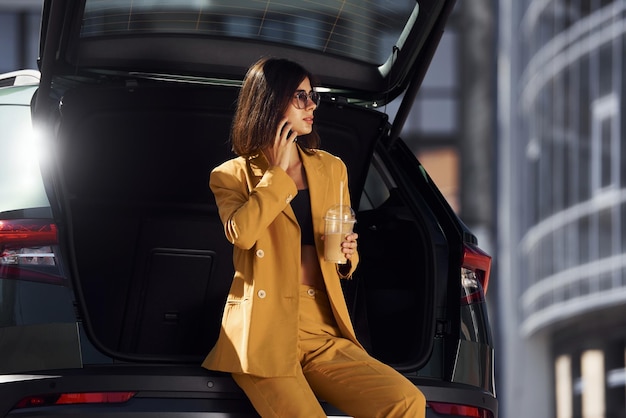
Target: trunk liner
[[150, 257]]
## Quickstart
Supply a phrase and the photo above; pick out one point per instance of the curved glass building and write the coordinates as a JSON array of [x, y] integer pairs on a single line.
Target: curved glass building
[[562, 206]]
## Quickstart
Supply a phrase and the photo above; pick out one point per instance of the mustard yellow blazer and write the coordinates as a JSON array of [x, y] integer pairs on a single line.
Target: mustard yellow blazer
[[259, 330]]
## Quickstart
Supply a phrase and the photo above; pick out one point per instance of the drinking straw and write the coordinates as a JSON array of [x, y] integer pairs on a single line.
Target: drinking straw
[[341, 195]]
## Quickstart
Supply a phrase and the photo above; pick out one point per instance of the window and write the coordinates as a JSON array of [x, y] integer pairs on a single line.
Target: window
[[605, 143], [350, 28], [19, 32], [20, 179], [432, 129]]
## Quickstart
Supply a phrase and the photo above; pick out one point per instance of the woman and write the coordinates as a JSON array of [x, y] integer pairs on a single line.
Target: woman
[[286, 335]]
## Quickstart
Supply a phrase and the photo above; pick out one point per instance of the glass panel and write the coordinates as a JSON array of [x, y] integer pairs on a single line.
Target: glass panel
[[606, 231], [605, 153], [622, 224], [437, 115], [353, 28], [584, 239], [33, 23], [442, 71], [21, 185], [584, 129], [606, 68], [8, 46]]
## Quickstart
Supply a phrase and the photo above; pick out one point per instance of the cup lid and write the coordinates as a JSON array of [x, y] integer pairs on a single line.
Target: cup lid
[[342, 212]]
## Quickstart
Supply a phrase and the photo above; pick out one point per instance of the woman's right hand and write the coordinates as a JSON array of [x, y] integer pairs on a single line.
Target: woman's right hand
[[284, 142]]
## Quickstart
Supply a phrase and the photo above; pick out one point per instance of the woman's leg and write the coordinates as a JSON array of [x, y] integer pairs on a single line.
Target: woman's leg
[[344, 374], [347, 377], [281, 397]]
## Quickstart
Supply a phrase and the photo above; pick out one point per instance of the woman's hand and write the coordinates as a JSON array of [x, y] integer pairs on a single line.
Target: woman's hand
[[348, 246], [284, 142]]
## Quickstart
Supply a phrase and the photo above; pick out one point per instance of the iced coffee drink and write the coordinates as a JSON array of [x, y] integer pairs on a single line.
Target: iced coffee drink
[[340, 221]]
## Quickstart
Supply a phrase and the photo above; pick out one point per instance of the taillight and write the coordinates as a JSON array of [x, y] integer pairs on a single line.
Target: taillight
[[459, 410], [73, 399], [474, 274], [27, 250]]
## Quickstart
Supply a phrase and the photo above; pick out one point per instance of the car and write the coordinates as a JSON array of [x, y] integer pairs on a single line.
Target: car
[[114, 272]]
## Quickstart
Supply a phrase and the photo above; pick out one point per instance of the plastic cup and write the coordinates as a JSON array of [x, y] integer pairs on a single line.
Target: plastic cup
[[339, 222]]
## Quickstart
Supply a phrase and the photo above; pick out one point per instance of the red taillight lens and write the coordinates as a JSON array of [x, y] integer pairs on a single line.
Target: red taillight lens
[[459, 410], [479, 262], [474, 274], [27, 232], [74, 398], [26, 250]]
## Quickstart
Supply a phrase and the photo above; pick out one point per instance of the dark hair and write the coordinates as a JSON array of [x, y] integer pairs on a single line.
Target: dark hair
[[267, 90]]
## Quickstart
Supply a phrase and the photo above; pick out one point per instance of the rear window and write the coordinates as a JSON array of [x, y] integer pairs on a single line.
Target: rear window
[[362, 30], [21, 186]]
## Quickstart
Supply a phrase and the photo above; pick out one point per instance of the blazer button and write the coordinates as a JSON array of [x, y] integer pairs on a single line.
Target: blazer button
[[260, 253], [261, 293]]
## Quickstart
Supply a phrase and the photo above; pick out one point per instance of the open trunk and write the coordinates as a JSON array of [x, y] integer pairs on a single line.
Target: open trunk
[[148, 255]]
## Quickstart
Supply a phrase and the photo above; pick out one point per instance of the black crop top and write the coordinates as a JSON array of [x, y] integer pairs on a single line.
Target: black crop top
[[301, 205]]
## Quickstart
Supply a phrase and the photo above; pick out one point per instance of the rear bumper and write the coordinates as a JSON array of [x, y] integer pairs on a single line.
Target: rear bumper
[[175, 391], [458, 394]]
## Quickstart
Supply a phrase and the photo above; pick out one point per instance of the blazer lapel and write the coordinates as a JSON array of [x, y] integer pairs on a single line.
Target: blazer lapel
[[317, 178]]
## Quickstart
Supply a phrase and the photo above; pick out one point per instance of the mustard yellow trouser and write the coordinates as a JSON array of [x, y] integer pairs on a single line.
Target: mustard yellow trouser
[[334, 369]]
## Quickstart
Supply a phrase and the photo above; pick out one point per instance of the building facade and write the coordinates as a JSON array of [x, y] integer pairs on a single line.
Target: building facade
[[562, 207]]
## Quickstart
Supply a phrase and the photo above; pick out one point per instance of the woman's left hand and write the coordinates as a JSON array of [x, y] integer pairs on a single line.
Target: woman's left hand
[[348, 246]]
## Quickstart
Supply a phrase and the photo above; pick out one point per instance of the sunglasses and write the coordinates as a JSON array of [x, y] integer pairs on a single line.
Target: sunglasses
[[301, 98]]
